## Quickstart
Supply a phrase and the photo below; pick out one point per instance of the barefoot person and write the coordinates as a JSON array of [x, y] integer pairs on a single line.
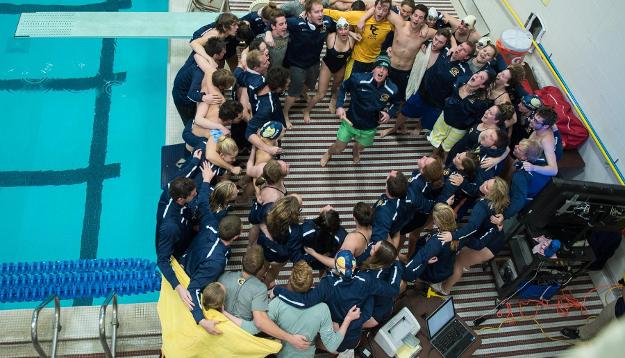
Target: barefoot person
[[339, 48], [307, 36], [422, 64], [407, 41], [373, 101]]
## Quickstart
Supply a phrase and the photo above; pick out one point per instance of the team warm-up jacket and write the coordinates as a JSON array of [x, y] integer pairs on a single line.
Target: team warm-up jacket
[[438, 80], [208, 218], [257, 24], [523, 188], [480, 213], [204, 261], [252, 81], [389, 216], [173, 226], [462, 113], [381, 306], [368, 99], [437, 272], [306, 41], [268, 108], [307, 234]]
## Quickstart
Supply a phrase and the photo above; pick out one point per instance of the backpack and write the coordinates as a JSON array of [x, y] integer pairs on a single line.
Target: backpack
[[573, 131]]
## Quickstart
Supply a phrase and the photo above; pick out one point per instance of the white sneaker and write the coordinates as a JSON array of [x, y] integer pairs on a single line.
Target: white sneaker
[[346, 354], [438, 288]]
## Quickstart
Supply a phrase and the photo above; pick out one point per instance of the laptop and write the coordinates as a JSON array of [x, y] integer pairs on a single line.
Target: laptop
[[450, 337]]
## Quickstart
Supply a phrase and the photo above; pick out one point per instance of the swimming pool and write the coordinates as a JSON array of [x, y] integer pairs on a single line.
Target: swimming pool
[[82, 126]]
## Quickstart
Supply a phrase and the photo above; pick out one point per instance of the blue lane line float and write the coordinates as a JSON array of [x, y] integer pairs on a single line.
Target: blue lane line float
[[69, 279]]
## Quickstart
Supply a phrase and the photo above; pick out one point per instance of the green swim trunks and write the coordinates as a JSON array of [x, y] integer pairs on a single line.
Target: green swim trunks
[[363, 136]]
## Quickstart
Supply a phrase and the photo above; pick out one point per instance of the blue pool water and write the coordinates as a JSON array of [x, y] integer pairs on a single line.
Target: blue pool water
[[81, 128]]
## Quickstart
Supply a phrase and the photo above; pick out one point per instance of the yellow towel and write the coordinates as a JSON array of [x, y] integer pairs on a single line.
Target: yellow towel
[[183, 338]]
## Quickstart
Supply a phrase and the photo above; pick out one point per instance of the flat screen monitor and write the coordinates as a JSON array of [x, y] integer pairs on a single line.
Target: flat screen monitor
[[574, 208]]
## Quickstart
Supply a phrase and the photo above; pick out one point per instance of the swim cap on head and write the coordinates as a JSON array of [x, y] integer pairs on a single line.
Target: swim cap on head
[[271, 130], [532, 102], [345, 263], [469, 20]]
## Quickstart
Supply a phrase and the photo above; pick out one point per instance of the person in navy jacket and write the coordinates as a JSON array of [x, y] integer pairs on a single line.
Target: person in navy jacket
[[186, 90], [379, 265], [303, 53], [374, 100], [205, 260], [525, 185], [341, 290], [174, 220], [324, 235], [391, 210], [268, 108], [424, 191], [434, 261], [483, 233]]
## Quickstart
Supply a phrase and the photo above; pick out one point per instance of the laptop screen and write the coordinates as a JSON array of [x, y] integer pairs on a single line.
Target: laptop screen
[[440, 317]]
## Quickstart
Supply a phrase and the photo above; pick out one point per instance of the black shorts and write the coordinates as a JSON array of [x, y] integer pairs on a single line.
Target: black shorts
[[417, 221], [359, 67], [400, 78]]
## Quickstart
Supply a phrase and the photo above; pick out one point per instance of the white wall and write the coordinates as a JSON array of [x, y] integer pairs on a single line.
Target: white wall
[[585, 43]]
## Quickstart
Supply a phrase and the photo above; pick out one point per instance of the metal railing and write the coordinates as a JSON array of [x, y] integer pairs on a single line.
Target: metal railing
[[57, 326], [109, 351]]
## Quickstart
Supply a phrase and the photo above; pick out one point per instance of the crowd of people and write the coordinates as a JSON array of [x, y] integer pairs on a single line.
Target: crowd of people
[[494, 148]]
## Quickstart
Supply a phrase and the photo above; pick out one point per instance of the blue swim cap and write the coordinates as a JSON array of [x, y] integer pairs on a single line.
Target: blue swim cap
[[271, 130], [532, 102], [345, 263]]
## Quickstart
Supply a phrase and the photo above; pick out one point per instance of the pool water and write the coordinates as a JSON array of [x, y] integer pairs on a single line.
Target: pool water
[[82, 124]]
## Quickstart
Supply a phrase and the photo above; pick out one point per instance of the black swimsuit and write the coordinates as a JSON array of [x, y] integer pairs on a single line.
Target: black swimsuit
[[334, 59]]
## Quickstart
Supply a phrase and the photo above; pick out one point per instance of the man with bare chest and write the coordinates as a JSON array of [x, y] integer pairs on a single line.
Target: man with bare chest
[[409, 36]]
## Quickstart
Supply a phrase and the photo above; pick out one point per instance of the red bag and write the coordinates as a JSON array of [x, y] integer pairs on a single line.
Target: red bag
[[573, 132]]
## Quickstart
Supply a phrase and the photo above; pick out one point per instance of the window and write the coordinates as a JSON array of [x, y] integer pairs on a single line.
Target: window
[[535, 26]]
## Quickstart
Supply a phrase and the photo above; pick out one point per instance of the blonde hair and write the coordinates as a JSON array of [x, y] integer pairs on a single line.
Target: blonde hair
[[301, 279], [220, 197], [213, 296], [498, 195], [531, 148], [444, 217], [227, 146]]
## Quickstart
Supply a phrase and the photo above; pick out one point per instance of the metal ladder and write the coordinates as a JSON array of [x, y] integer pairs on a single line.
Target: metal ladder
[[110, 352], [57, 326]]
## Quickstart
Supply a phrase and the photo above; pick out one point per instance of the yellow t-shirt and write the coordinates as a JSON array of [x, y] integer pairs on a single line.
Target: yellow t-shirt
[[373, 35]]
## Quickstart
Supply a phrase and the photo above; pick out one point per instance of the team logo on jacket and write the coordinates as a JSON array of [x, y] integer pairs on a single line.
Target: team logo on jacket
[[384, 97], [454, 71], [446, 172]]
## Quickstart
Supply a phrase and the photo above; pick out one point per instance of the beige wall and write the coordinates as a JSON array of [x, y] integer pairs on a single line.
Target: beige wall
[[584, 41]]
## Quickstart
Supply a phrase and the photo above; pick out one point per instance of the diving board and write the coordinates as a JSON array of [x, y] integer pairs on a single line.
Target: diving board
[[114, 24]]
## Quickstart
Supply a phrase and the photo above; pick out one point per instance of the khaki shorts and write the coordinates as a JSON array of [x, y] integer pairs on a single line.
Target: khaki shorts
[[445, 135], [363, 136]]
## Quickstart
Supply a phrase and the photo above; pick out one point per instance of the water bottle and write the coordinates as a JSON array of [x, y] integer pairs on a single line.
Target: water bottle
[[552, 248]]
